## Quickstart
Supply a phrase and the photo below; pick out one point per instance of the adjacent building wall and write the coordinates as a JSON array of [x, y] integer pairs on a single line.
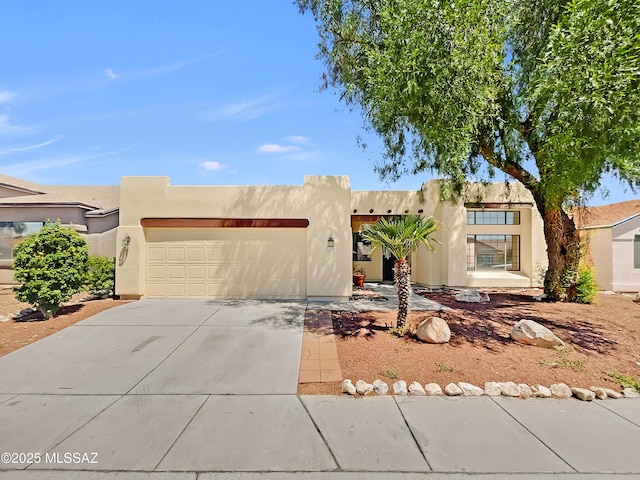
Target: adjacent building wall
[[626, 278]]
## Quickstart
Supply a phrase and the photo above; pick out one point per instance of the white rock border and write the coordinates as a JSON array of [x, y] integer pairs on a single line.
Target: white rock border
[[491, 389]]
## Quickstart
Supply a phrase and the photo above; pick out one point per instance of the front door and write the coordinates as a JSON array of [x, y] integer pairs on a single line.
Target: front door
[[387, 268]]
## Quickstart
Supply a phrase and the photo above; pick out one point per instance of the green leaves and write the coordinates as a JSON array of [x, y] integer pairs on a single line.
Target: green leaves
[[401, 235], [50, 266]]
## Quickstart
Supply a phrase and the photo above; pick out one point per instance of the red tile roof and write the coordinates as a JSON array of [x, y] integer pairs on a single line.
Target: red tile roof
[[606, 215]]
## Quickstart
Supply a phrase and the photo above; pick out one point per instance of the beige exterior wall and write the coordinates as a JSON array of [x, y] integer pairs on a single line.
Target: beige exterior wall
[[329, 204], [324, 201]]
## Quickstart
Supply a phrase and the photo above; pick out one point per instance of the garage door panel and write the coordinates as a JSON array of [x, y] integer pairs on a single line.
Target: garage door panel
[[226, 263]]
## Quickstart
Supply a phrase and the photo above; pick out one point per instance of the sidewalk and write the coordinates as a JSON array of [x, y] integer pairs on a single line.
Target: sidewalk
[[206, 391]]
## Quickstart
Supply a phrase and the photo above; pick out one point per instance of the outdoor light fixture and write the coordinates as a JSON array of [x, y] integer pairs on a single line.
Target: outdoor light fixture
[[126, 240], [331, 243]]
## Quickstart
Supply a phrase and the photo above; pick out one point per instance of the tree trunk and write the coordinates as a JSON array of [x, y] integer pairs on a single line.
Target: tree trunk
[[563, 253], [401, 274]]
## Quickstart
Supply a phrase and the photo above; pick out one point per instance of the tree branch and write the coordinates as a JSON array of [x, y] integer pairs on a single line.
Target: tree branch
[[508, 166]]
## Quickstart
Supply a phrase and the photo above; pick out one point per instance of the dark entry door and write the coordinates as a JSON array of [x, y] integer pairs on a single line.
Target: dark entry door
[[387, 268]]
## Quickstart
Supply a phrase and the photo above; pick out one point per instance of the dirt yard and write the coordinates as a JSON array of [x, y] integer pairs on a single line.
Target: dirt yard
[[598, 338], [14, 335]]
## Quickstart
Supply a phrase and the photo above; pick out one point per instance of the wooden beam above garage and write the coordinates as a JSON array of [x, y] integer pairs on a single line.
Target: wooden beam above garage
[[224, 222]]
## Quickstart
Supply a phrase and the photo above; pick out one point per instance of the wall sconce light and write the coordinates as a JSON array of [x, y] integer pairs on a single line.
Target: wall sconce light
[[331, 243], [126, 240]]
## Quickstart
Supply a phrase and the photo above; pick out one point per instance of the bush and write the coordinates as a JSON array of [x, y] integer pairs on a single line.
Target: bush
[[586, 286], [50, 266], [101, 279]]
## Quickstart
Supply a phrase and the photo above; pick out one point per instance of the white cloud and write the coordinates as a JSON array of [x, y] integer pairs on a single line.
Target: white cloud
[[111, 74], [6, 96], [10, 150], [24, 169], [297, 139], [7, 128], [246, 110], [213, 166], [275, 148]]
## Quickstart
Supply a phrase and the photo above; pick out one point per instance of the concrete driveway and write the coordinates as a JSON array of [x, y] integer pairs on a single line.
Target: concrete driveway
[[207, 390]]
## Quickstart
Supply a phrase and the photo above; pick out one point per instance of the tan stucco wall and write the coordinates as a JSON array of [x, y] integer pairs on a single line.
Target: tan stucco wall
[[329, 204], [324, 201]]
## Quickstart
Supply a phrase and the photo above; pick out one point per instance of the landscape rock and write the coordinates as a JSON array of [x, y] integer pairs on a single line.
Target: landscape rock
[[525, 390], [509, 389], [452, 390], [470, 390], [532, 333], [433, 389], [363, 388], [472, 296], [4, 319], [492, 389], [416, 389], [583, 394], [600, 392], [630, 393], [380, 387], [540, 391], [348, 387], [613, 394], [433, 330], [400, 388], [560, 390], [539, 298]]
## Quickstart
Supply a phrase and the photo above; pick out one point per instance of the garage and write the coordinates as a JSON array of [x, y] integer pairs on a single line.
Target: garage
[[226, 262]]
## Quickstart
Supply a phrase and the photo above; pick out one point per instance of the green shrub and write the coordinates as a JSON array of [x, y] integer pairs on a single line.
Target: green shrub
[[586, 286], [50, 266], [101, 279]]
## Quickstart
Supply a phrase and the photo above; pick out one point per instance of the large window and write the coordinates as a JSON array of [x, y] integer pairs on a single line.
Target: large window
[[493, 252], [493, 217], [361, 248], [12, 233]]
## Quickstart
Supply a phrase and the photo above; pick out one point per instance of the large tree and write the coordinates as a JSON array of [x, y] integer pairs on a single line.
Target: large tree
[[547, 91]]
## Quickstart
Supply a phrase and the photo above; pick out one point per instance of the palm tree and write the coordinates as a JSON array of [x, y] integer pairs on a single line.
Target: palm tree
[[400, 236]]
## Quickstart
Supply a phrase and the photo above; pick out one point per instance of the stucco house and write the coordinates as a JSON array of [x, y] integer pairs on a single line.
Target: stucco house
[[301, 241], [613, 236], [26, 206]]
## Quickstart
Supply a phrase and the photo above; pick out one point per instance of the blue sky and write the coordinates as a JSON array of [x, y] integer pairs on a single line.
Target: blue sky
[[205, 92]]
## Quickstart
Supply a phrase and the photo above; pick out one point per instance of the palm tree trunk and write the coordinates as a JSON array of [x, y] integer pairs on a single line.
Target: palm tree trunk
[[401, 273]]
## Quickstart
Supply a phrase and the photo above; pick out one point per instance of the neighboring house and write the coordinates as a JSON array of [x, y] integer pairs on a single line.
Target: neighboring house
[[302, 242], [26, 206], [613, 234]]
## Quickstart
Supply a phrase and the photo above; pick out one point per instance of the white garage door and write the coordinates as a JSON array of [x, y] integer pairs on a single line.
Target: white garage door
[[226, 263]]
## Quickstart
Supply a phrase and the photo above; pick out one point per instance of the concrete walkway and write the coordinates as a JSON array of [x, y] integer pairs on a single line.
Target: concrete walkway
[[206, 390]]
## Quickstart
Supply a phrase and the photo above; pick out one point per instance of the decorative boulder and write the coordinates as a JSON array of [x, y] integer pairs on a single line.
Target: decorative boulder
[[470, 390], [600, 392], [416, 389], [452, 390], [525, 390], [492, 389], [613, 394], [630, 393], [400, 388], [348, 387], [433, 330], [532, 333], [472, 296], [433, 389], [540, 391], [380, 387], [363, 388], [560, 390], [583, 394], [509, 389]]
